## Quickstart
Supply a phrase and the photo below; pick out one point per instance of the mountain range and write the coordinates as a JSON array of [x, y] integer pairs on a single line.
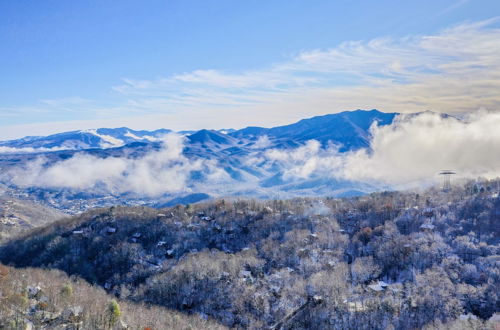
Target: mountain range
[[221, 162], [86, 139], [350, 129]]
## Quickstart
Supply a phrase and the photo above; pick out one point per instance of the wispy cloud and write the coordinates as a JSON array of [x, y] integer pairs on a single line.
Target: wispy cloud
[[455, 5], [453, 71], [456, 70]]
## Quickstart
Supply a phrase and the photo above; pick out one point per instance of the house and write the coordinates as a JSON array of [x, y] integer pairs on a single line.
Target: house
[[379, 286], [33, 291], [303, 252], [193, 226], [109, 230], [465, 317], [246, 276], [313, 236], [355, 306], [428, 212], [245, 273], [427, 227], [268, 210], [383, 284], [376, 287]]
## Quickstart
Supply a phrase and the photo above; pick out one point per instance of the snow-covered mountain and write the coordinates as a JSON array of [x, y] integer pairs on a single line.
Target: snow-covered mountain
[[349, 129], [86, 139], [253, 161]]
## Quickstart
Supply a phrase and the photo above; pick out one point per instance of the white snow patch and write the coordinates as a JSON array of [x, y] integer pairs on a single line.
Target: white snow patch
[[132, 135], [109, 141], [145, 137]]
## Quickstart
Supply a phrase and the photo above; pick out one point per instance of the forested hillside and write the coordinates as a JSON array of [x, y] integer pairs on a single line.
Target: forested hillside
[[49, 299], [17, 216], [391, 260]]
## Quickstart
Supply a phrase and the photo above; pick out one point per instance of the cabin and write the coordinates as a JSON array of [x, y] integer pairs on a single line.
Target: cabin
[[193, 226], [466, 317], [245, 273], [380, 286], [109, 230], [217, 227], [33, 291], [427, 227], [355, 306], [428, 212], [246, 276], [303, 252], [268, 210]]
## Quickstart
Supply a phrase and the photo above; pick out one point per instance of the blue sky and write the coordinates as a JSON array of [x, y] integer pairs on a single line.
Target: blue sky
[[192, 64]]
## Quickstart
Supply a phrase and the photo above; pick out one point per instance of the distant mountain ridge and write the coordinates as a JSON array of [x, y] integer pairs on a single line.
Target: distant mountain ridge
[[87, 139], [348, 129]]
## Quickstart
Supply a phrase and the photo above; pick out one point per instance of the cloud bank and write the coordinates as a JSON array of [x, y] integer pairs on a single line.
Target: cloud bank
[[166, 171], [408, 153]]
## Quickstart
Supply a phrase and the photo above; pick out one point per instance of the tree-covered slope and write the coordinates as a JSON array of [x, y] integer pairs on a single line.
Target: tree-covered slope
[[395, 259], [48, 299]]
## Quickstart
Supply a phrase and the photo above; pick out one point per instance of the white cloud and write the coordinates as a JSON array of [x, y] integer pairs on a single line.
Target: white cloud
[[456, 70], [10, 150], [157, 172], [414, 149], [262, 142], [419, 147], [457, 4]]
